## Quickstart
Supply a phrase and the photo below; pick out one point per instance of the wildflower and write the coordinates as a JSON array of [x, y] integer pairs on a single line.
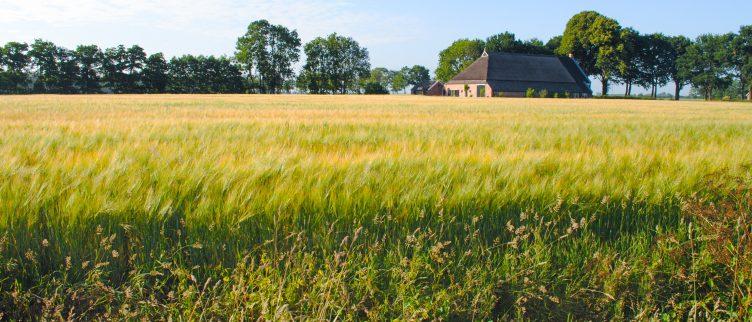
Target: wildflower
[[31, 255], [45, 242], [115, 254], [85, 264], [67, 263], [197, 245]]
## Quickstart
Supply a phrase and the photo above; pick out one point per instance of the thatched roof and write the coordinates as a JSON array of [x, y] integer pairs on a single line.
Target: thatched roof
[[518, 72]]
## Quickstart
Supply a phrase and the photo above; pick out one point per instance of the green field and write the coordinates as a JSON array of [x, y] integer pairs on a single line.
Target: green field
[[373, 208]]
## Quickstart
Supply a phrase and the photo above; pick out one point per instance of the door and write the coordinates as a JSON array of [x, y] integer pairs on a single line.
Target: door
[[481, 91]]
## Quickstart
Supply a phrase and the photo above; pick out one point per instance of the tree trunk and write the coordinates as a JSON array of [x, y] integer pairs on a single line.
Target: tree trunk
[[604, 84], [626, 91], [749, 94], [676, 91]]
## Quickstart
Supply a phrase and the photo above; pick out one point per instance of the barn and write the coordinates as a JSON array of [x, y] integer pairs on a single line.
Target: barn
[[512, 75]]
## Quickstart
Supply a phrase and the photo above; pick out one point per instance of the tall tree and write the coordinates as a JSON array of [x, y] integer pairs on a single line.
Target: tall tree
[[155, 74], [68, 72], [593, 40], [382, 76], [44, 60], [707, 63], [554, 43], [457, 57], [508, 43], [400, 79], [679, 73], [629, 69], [89, 59], [418, 75], [741, 60], [134, 63], [14, 63], [655, 62], [268, 52], [114, 67], [334, 64]]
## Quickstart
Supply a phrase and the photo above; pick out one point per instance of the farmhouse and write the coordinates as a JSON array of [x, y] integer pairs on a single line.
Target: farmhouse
[[512, 75]]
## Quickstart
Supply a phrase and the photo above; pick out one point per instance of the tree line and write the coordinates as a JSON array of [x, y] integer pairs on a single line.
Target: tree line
[[716, 66], [263, 63]]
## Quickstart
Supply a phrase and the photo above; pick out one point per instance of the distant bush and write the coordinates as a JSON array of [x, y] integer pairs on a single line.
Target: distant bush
[[530, 93], [556, 95], [373, 88], [543, 93]]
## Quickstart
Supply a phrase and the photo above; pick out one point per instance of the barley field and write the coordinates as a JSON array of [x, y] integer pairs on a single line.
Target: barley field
[[295, 207]]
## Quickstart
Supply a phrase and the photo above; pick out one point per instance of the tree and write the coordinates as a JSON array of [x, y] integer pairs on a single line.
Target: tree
[[381, 76], [593, 40], [679, 73], [629, 69], [43, 58], [374, 88], [268, 52], [553, 44], [400, 79], [655, 62], [68, 71], [14, 62], [503, 42], [418, 75], [741, 60], [706, 61], [134, 63], [204, 74], [155, 74], [506, 42], [457, 57], [334, 64], [114, 66], [89, 59]]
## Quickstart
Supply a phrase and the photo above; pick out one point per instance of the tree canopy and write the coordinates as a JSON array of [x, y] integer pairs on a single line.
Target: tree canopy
[[267, 53], [334, 64]]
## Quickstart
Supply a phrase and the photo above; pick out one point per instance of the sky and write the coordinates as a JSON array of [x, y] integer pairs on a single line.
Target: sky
[[396, 33]]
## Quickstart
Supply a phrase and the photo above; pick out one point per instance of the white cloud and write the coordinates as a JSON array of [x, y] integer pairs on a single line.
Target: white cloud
[[218, 19]]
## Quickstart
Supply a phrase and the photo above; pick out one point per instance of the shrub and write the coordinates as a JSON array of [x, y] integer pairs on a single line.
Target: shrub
[[543, 93], [556, 95], [530, 93], [567, 94]]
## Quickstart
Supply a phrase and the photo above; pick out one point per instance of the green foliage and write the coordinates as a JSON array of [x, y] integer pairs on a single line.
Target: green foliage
[[156, 74], [334, 64], [204, 74], [543, 93], [89, 59], [457, 57], [267, 53], [594, 40], [706, 63], [656, 61], [14, 61], [530, 93], [417, 75], [508, 43], [374, 88]]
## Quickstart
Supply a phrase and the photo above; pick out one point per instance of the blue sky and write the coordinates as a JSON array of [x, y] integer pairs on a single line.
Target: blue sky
[[397, 33]]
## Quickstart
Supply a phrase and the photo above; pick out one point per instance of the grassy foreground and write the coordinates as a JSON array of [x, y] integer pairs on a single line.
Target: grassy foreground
[[373, 208]]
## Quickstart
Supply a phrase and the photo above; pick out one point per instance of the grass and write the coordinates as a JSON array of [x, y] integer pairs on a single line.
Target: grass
[[352, 207]]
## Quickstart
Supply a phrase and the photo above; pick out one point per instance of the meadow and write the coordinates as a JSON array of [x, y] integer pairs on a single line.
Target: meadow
[[297, 207]]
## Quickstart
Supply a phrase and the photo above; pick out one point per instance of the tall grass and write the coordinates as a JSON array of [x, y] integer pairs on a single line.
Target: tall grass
[[305, 207]]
